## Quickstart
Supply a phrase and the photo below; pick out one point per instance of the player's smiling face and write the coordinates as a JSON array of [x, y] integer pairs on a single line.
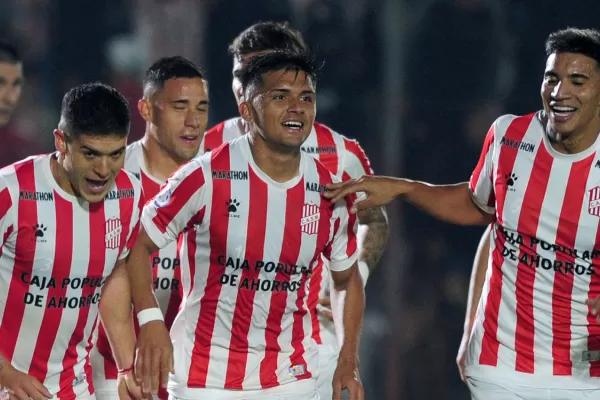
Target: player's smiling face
[[92, 164], [571, 94], [282, 108]]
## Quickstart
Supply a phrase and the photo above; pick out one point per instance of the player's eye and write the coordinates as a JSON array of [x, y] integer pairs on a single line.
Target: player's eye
[[89, 154]]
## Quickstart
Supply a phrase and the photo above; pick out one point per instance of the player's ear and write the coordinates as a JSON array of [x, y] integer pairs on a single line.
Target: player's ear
[[60, 141], [145, 109], [245, 109]]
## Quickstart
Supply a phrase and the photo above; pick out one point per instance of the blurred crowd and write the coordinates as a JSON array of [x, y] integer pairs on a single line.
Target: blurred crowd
[[465, 63]]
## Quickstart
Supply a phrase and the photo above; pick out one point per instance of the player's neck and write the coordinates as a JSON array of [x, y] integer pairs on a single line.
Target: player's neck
[[279, 164], [159, 163], [60, 174], [576, 142]]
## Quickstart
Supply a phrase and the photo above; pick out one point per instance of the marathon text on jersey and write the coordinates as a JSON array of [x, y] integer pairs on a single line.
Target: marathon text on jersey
[[518, 144], [120, 194], [36, 196], [230, 175]]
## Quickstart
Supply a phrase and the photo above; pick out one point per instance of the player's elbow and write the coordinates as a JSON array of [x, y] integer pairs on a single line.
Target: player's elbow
[[343, 279]]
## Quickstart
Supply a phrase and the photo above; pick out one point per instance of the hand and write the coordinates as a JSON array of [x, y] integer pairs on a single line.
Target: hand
[[595, 305], [346, 376], [325, 309], [462, 353], [16, 385], [154, 357], [380, 190], [128, 388]]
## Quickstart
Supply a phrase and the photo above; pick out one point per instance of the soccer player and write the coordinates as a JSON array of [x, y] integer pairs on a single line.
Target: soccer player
[[343, 157], [536, 332], [255, 224], [11, 81], [67, 222], [175, 108]]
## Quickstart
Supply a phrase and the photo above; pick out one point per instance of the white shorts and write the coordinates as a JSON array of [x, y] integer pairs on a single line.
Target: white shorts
[[485, 390], [328, 358], [300, 390]]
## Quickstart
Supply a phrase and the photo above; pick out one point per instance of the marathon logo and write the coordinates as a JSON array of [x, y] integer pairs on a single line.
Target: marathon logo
[[120, 194], [230, 175], [36, 196], [319, 150]]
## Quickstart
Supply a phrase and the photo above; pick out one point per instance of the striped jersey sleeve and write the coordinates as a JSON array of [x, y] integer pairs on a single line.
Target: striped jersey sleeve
[[481, 183], [166, 215]]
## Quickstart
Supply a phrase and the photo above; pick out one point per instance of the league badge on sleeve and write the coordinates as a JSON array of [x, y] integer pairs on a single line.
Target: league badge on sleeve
[[163, 198]]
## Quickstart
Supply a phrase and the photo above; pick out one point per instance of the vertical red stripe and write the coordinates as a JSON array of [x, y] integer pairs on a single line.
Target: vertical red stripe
[[593, 325], [528, 225], [61, 268], [219, 225], [213, 138], [95, 269], [563, 282], [24, 258], [292, 238], [506, 161], [244, 305], [319, 271], [325, 140]]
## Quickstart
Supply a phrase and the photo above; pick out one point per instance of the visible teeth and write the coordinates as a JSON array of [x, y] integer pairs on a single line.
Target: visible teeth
[[293, 124], [563, 109]]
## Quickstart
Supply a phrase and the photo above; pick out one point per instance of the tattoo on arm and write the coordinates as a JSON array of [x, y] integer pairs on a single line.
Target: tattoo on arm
[[373, 233]]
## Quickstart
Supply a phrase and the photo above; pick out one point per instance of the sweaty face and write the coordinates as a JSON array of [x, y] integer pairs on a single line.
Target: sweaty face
[[571, 94], [92, 163], [179, 116], [283, 108], [11, 83]]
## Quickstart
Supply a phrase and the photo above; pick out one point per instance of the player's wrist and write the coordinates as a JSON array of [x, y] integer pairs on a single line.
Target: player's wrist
[[149, 315], [363, 270]]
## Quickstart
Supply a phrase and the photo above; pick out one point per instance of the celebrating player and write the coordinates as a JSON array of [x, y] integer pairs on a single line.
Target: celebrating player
[[343, 157], [67, 222], [175, 107], [537, 180], [255, 224]]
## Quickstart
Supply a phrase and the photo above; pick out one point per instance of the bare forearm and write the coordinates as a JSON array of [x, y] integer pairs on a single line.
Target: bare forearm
[[477, 278], [450, 203], [350, 298], [139, 271], [372, 235], [117, 318]]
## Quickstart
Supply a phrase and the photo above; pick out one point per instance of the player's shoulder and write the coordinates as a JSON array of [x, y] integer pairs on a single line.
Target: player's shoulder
[[134, 156], [509, 124], [224, 132], [25, 168], [128, 180]]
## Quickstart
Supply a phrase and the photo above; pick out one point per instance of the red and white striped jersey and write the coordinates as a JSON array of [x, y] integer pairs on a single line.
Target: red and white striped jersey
[[165, 266], [57, 252], [249, 249], [533, 326], [344, 158]]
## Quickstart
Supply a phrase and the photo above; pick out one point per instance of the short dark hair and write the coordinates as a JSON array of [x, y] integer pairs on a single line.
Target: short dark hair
[[167, 68], [9, 53], [304, 61], [264, 36], [94, 109], [573, 40]]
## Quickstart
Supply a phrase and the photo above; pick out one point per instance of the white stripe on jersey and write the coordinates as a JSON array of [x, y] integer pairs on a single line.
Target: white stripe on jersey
[[213, 196]]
